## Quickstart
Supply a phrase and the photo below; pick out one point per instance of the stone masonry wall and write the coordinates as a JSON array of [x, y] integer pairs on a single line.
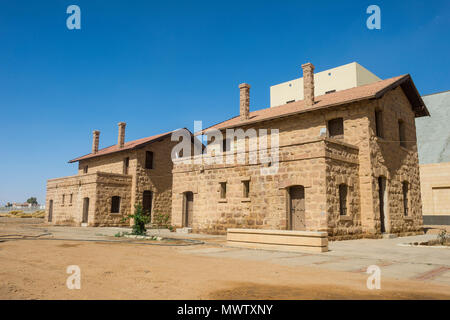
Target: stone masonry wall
[[397, 163], [356, 160], [303, 161], [159, 179], [99, 188], [104, 180]]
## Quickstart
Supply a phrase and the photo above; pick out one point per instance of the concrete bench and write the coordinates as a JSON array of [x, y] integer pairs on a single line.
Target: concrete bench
[[282, 240]]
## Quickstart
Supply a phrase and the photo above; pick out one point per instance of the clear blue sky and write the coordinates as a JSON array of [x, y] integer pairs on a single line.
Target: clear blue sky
[[161, 65]]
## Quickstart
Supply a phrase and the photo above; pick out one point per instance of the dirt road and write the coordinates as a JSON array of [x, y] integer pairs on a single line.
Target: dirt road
[[36, 269]]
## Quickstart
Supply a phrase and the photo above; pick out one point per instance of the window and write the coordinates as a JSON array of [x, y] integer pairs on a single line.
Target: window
[[85, 169], [147, 198], [343, 200], [126, 164], [63, 199], [225, 147], [246, 188], [379, 123], [336, 128], [405, 198], [115, 204], [70, 198], [401, 133], [148, 160], [223, 190]]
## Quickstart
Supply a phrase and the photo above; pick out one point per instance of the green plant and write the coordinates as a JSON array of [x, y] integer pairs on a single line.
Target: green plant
[[140, 220], [443, 236]]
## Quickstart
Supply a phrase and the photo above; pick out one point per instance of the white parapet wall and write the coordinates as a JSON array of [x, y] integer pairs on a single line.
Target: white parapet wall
[[282, 240]]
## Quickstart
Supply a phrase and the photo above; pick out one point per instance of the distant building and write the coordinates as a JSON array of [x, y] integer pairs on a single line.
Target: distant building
[[433, 138], [21, 205], [336, 79]]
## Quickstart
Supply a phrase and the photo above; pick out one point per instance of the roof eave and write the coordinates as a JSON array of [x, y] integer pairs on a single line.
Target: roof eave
[[411, 92], [138, 146]]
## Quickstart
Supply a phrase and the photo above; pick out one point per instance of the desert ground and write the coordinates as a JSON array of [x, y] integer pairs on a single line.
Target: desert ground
[[34, 258]]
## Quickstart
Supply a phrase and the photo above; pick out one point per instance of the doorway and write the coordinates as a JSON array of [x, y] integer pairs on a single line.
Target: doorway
[[85, 210], [382, 200], [147, 198], [50, 211], [188, 209], [296, 220]]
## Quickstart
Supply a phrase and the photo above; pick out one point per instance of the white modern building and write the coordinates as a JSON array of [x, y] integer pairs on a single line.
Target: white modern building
[[343, 77]]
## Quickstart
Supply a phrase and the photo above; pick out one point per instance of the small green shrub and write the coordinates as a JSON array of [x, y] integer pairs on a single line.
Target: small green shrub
[[140, 220]]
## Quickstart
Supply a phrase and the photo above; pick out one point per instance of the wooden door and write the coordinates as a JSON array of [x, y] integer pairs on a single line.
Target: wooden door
[[297, 208], [382, 197], [50, 211], [85, 210], [147, 202], [189, 209]]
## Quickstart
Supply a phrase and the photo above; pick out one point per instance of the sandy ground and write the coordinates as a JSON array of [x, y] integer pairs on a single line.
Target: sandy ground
[[36, 269]]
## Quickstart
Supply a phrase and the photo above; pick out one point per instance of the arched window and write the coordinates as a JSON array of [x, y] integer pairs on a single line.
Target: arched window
[[343, 199], [115, 204]]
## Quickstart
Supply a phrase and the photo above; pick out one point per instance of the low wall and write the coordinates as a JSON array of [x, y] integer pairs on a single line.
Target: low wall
[[281, 240]]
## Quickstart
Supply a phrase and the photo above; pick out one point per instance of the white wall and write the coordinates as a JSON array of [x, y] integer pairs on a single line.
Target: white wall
[[339, 78]]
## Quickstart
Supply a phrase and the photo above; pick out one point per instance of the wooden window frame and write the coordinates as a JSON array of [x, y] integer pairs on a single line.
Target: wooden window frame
[[149, 160], [343, 200], [126, 165], [115, 204], [330, 125], [246, 189], [223, 190]]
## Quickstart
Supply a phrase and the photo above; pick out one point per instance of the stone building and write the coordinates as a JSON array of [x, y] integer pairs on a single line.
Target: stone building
[[347, 164], [111, 180]]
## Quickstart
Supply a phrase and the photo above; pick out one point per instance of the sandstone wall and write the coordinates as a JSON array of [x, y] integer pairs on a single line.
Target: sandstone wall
[[99, 188], [397, 163], [159, 179], [435, 186], [319, 164]]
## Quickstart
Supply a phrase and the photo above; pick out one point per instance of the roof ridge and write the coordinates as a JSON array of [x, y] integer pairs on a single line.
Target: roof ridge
[[129, 145]]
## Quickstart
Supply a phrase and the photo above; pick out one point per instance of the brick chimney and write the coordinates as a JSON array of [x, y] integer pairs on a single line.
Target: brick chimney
[[308, 84], [121, 138], [95, 140], [244, 101]]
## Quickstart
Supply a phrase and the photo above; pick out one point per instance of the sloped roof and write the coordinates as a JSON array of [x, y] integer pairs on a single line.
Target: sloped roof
[[371, 91], [127, 146]]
